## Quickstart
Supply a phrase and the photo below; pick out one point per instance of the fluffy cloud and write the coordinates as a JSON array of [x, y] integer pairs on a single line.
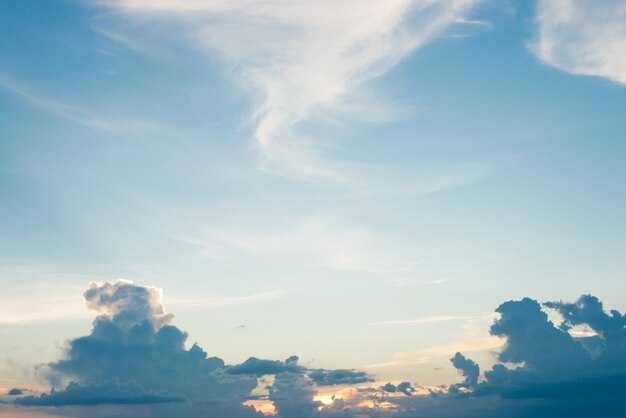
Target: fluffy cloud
[[468, 368], [554, 369], [583, 37], [135, 357]]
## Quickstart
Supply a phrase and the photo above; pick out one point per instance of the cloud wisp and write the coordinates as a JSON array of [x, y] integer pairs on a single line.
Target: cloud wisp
[[583, 37], [304, 61], [425, 320], [71, 112], [134, 357]]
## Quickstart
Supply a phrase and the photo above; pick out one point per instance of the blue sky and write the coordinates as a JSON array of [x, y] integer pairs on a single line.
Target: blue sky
[[301, 177]]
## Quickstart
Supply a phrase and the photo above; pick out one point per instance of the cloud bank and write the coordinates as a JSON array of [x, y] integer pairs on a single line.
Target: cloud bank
[[303, 60], [583, 37], [135, 357]]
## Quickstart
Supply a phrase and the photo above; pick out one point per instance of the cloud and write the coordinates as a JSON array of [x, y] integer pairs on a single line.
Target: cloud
[[403, 387], [104, 393], [338, 377], [258, 367], [304, 61], [71, 112], [133, 342], [583, 37], [312, 240], [135, 357], [468, 368], [589, 310], [15, 392], [554, 367], [426, 320], [127, 305], [217, 301]]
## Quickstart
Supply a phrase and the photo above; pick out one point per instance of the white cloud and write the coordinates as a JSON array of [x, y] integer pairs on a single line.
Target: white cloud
[[425, 320], [583, 37], [473, 336], [303, 57], [219, 301], [315, 241], [71, 112]]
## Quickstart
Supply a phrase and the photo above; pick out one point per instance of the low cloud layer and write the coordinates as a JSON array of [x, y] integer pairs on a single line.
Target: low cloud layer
[[135, 357]]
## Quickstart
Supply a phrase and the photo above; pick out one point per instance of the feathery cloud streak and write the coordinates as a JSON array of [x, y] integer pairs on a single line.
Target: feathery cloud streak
[[302, 58]]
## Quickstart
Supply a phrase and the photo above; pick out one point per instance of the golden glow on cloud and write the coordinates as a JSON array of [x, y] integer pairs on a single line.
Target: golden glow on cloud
[[264, 406]]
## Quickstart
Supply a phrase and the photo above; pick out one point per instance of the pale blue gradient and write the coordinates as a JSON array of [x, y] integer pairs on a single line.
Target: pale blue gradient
[[494, 177]]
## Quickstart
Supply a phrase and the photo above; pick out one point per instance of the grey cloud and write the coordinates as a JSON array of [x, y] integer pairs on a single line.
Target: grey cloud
[[134, 355], [293, 396], [590, 311], [554, 369], [134, 343], [468, 368], [258, 367], [15, 392], [533, 340], [111, 392], [324, 377], [404, 387]]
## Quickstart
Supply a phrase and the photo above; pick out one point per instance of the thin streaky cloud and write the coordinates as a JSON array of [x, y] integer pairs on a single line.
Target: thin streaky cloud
[[425, 320], [73, 113], [219, 301], [299, 59]]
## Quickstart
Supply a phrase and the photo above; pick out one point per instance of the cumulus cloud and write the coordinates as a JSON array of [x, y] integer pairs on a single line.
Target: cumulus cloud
[[468, 368], [554, 370], [583, 37], [135, 357], [127, 305], [302, 59]]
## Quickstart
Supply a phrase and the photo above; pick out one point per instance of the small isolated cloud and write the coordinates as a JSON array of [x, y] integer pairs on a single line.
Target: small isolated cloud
[[404, 387], [583, 37], [15, 392]]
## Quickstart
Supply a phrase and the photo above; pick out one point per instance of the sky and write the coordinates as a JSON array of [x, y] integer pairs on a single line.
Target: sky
[[308, 208]]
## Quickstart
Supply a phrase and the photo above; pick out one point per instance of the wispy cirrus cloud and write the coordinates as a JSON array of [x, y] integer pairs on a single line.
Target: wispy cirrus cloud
[[219, 301], [425, 320], [302, 59], [74, 113], [583, 37], [316, 240]]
